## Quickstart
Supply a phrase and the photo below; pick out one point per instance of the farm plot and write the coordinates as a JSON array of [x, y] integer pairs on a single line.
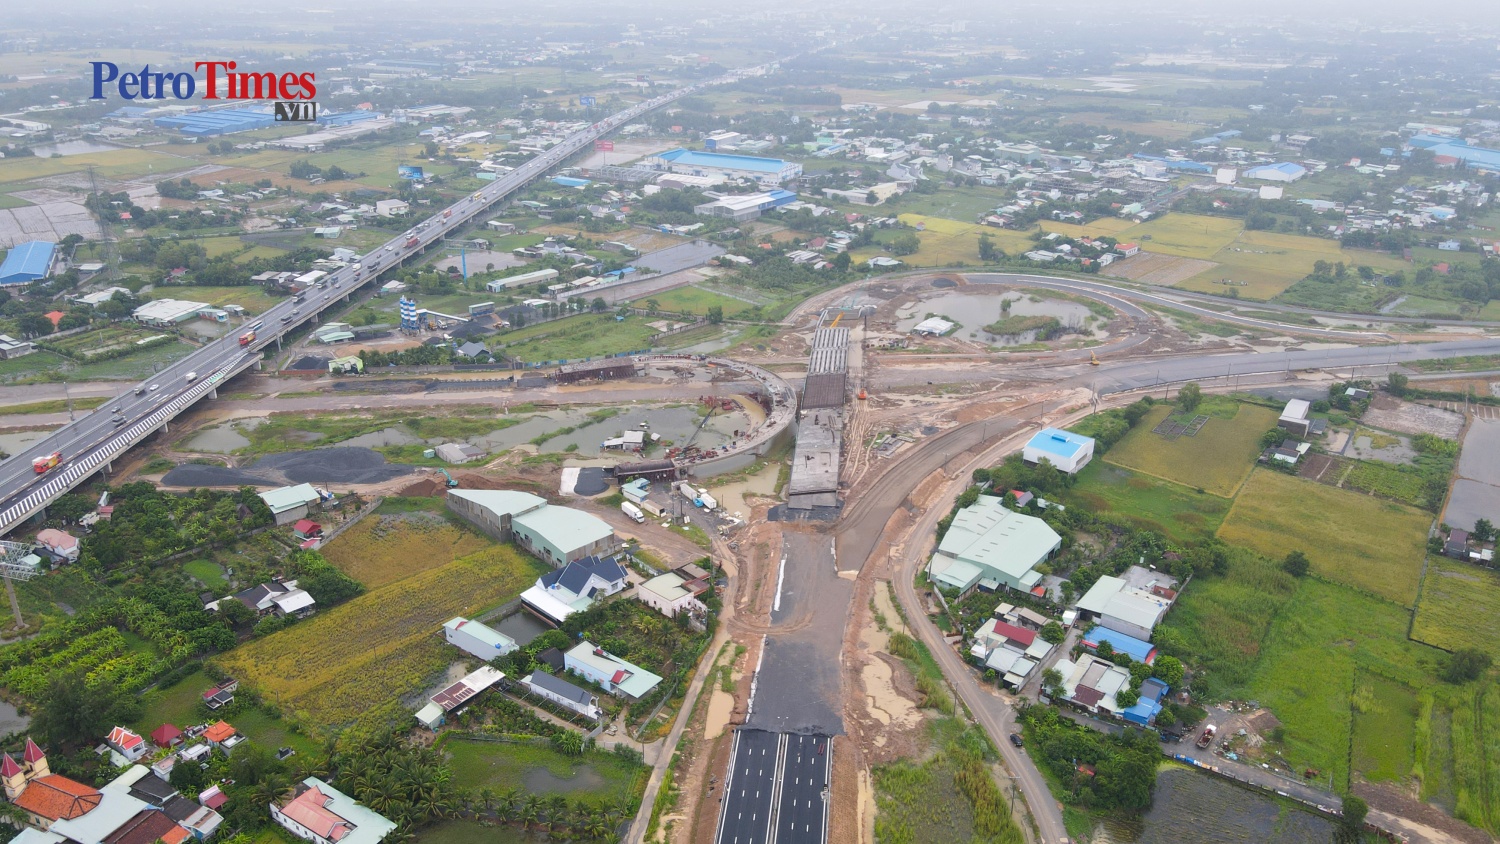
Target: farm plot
[[1214, 461], [363, 656], [1322, 641], [539, 769], [1458, 745], [388, 546], [1367, 543], [1153, 268], [1460, 607], [1149, 503], [695, 300], [1185, 235], [1385, 727], [1260, 265]]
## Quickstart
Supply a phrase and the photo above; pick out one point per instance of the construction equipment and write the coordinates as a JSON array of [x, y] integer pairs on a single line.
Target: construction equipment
[[452, 482], [1093, 359], [836, 319]]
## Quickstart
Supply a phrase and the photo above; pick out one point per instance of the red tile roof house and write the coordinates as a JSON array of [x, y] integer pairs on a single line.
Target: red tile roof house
[[59, 542], [166, 736], [307, 529], [127, 743]]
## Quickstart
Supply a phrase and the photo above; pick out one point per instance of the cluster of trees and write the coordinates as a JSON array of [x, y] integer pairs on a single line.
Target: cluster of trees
[[304, 169], [149, 524], [110, 206], [1101, 771], [423, 355]]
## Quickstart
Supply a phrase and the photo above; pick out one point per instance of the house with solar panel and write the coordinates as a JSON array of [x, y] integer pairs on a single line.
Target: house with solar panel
[[1066, 450]]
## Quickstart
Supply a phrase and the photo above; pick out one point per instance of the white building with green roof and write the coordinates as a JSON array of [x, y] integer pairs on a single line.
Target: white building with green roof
[[991, 547], [558, 535]]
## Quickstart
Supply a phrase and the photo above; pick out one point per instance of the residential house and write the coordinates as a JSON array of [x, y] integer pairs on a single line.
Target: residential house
[[391, 208], [1012, 652], [127, 743], [1092, 683], [10, 347], [220, 696], [562, 693], [290, 503], [281, 598], [1132, 608], [990, 546], [1139, 650], [307, 529], [59, 543], [477, 639], [615, 675], [318, 812], [1066, 450], [1153, 694], [1457, 545], [1294, 417], [458, 695], [166, 736], [223, 736], [670, 594], [459, 452], [558, 535], [574, 587]]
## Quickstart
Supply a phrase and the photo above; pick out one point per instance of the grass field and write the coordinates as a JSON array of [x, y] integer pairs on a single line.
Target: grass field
[[178, 704], [1460, 607], [969, 203], [1215, 461], [115, 164], [1102, 227], [538, 769], [1187, 235], [695, 300], [208, 573], [54, 406], [1367, 543], [1458, 749], [1322, 640], [1264, 264], [363, 656], [949, 241], [250, 297], [1385, 728], [1176, 511], [386, 547], [578, 337]]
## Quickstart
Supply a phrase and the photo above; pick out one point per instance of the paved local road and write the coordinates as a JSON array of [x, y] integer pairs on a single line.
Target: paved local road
[[748, 790], [859, 536]]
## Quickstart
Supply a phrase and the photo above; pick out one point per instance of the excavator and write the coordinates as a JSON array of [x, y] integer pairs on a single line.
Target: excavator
[[1093, 359], [452, 481]]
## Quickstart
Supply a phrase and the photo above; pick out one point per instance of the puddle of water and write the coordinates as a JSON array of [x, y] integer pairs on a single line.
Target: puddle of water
[[71, 148], [521, 626], [973, 311], [219, 440], [394, 435], [18, 441], [543, 781], [1217, 812], [534, 426], [12, 721], [732, 496]]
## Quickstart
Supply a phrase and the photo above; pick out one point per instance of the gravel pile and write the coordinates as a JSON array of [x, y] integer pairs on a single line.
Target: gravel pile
[[320, 465]]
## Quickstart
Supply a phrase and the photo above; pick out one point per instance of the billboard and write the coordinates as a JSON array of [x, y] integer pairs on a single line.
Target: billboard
[[604, 146], [586, 102], [408, 171]]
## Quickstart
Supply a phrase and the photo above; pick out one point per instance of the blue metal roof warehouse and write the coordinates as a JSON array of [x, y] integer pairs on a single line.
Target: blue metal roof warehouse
[[698, 163], [219, 122], [27, 262]]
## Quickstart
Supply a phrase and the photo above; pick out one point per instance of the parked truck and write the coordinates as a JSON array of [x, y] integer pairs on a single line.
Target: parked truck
[[706, 501], [632, 511], [1207, 737], [42, 465], [687, 491]]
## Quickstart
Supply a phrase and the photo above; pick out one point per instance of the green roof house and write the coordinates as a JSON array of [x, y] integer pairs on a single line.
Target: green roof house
[[991, 547], [558, 535]]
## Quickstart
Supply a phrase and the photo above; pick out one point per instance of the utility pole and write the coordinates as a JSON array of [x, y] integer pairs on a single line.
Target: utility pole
[[68, 397]]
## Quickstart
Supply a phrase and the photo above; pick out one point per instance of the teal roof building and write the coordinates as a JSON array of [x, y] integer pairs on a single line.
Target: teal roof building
[[991, 547]]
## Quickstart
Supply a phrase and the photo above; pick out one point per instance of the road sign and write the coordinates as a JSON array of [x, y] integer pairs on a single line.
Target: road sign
[[587, 102], [604, 146]]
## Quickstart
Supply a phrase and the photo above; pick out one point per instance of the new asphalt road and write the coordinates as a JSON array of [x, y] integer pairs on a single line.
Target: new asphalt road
[[777, 789]]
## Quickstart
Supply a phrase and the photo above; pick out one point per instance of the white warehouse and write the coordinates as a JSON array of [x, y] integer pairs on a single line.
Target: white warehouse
[[477, 639]]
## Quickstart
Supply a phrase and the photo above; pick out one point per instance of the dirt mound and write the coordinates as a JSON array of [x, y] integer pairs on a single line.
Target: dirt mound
[[425, 488]]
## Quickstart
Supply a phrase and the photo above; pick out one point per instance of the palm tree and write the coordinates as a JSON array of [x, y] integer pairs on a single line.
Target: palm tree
[[556, 807], [530, 810], [487, 799]]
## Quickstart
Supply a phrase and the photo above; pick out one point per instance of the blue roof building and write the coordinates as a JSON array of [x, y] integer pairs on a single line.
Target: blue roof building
[[344, 118], [570, 182], [1285, 171], [219, 121], [1138, 650], [769, 171], [1066, 450], [1153, 694], [1470, 156], [27, 262]]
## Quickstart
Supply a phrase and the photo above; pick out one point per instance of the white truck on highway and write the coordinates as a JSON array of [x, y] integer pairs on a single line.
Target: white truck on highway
[[632, 511]]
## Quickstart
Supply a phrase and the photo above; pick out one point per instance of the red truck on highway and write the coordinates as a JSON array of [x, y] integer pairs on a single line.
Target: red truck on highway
[[412, 241], [247, 338], [42, 464]]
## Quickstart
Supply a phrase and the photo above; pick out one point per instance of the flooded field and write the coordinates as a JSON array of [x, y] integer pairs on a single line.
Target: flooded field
[[71, 148], [675, 424], [1194, 808], [16, 442], [223, 439], [973, 311]]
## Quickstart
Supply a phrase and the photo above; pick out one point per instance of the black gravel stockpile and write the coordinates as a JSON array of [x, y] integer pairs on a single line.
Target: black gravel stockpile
[[591, 481], [320, 465]]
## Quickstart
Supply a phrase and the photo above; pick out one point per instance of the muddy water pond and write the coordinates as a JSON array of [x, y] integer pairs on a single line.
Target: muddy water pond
[[974, 311], [223, 439], [521, 626], [16, 442], [1189, 807]]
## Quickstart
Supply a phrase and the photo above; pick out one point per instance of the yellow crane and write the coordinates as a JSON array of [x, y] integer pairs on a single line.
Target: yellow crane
[[835, 323]]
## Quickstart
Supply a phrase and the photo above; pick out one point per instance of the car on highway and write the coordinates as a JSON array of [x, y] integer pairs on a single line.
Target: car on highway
[[119, 420], [155, 387], [191, 377]]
